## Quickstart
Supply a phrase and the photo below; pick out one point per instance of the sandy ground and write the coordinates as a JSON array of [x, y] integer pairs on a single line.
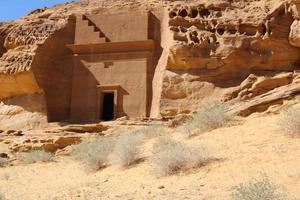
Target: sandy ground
[[247, 150]]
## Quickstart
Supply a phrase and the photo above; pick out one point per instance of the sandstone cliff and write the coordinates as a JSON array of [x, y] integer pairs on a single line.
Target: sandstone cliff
[[238, 51], [231, 51]]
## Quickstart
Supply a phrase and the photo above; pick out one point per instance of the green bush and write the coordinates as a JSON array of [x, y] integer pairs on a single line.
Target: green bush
[[211, 116], [38, 156]]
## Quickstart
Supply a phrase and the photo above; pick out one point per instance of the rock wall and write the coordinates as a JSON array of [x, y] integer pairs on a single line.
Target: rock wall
[[218, 46], [53, 70], [18, 84], [23, 113], [20, 44], [226, 50]]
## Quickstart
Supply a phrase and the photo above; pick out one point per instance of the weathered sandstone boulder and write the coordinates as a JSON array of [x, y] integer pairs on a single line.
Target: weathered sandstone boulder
[[294, 37], [23, 113], [89, 128]]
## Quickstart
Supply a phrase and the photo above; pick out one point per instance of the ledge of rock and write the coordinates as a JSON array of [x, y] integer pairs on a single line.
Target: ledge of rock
[[262, 102], [49, 144], [87, 128]]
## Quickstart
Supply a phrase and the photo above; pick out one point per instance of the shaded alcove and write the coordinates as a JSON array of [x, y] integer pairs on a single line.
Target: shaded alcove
[[108, 106], [2, 47], [53, 68]]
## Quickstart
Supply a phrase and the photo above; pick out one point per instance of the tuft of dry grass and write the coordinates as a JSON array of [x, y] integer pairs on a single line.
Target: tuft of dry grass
[[152, 131], [2, 197], [170, 156], [128, 149], [95, 153], [3, 162], [38, 156], [261, 189], [123, 150], [211, 116], [289, 121]]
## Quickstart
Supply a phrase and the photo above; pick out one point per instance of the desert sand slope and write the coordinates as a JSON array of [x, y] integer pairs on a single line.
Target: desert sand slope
[[245, 151]]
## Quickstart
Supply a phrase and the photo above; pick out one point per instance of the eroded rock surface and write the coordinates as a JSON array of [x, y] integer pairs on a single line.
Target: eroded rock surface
[[225, 45], [226, 50], [48, 144], [23, 113]]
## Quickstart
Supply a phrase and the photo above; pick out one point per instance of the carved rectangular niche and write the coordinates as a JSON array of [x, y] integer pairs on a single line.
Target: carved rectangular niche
[[103, 89]]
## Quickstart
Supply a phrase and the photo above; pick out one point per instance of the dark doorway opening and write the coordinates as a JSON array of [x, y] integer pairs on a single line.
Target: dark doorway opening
[[108, 107]]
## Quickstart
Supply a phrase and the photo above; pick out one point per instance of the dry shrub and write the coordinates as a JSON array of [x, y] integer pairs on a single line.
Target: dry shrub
[[3, 162], [211, 116], [152, 131], [123, 150], [128, 149], [261, 189], [170, 156], [2, 197], [5, 176], [95, 153], [37, 156], [289, 121]]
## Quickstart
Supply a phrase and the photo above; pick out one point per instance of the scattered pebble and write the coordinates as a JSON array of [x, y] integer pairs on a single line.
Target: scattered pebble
[[4, 155], [161, 187]]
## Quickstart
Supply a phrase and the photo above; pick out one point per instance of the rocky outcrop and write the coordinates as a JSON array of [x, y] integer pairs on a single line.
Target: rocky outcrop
[[50, 144], [294, 37], [90, 128], [23, 113], [21, 38], [18, 84], [262, 102], [24, 44], [228, 50], [254, 86], [221, 46]]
